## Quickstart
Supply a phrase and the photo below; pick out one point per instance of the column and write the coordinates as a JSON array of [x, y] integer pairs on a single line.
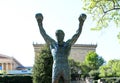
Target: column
[[6, 66], [11, 66], [2, 66]]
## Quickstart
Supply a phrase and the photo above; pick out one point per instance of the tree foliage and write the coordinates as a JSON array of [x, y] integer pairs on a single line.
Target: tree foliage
[[93, 61], [91, 65], [94, 74], [111, 69], [75, 66], [104, 12], [42, 70], [84, 69]]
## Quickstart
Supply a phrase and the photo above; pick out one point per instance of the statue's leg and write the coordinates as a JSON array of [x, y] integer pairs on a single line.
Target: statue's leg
[[61, 79], [66, 75], [67, 81], [54, 80]]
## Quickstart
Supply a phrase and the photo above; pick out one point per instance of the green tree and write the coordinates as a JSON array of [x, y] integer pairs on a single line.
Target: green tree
[[42, 70], [104, 12], [75, 66], [75, 69], [84, 69], [104, 71], [91, 65], [111, 69], [94, 74], [93, 61]]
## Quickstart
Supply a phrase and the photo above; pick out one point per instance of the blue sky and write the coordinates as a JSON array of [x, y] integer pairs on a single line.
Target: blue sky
[[19, 29]]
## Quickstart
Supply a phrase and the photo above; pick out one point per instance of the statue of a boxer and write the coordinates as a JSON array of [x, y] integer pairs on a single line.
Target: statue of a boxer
[[60, 49]]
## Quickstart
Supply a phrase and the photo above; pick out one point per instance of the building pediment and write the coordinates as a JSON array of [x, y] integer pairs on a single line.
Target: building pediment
[[4, 56], [8, 63]]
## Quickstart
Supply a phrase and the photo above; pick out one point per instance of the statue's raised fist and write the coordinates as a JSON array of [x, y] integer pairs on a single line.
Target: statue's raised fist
[[82, 17], [39, 16]]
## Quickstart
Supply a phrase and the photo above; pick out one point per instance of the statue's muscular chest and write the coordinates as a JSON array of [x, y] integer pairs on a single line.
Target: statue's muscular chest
[[60, 50]]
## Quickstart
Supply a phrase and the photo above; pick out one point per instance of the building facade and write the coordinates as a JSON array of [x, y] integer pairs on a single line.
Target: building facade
[[8, 63], [78, 51]]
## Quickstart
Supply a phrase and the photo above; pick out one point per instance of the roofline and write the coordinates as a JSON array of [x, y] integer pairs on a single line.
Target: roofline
[[85, 45], [5, 56], [17, 61], [75, 45]]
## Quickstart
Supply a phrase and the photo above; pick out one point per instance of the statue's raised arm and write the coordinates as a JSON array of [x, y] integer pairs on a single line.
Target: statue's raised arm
[[74, 38], [47, 38]]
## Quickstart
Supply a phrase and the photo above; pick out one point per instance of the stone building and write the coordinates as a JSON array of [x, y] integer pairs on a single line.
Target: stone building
[[78, 51], [8, 63]]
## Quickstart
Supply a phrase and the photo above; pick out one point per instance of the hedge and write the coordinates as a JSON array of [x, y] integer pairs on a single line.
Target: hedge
[[15, 79]]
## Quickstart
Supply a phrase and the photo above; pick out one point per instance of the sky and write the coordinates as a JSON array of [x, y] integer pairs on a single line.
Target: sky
[[19, 29]]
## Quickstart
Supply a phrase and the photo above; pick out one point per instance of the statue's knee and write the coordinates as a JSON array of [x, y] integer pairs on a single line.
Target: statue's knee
[[67, 81], [54, 81]]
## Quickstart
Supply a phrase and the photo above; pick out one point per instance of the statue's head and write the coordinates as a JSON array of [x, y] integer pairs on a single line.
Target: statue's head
[[60, 35]]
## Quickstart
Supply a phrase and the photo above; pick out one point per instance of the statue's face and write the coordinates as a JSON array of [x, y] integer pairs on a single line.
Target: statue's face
[[60, 36]]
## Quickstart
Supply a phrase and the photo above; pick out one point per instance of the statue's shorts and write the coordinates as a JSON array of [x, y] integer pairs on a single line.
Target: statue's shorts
[[61, 70]]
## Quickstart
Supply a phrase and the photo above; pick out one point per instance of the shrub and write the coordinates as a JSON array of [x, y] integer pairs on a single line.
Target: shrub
[[42, 70], [15, 79]]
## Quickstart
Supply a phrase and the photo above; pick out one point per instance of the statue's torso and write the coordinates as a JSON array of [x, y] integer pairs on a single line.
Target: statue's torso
[[60, 60], [60, 53]]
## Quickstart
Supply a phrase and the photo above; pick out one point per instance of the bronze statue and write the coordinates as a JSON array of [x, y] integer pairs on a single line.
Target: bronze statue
[[60, 50]]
